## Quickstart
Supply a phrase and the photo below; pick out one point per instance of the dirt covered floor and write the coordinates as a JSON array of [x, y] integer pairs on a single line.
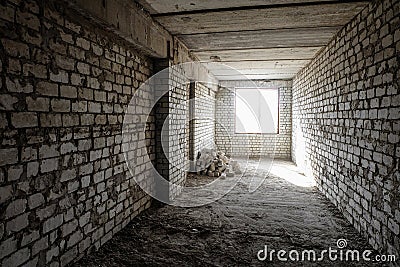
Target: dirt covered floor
[[284, 213]]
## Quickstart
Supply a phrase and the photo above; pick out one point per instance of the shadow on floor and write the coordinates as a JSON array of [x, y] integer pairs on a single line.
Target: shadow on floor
[[282, 214]]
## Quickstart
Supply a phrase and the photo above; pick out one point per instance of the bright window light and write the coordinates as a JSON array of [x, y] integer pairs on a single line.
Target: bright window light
[[257, 110]]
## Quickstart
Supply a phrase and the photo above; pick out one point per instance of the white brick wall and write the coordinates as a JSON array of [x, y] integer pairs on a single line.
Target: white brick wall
[[60, 133], [173, 147], [346, 110], [204, 114]]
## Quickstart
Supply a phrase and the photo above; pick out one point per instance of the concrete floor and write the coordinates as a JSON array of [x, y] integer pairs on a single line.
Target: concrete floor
[[285, 212]]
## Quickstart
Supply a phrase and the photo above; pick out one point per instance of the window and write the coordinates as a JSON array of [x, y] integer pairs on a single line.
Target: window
[[257, 110]]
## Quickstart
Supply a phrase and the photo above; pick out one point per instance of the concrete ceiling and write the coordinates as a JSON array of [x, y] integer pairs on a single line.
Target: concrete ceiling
[[263, 39]]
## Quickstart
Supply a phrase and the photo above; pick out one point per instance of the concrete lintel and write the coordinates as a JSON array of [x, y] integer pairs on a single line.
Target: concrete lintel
[[258, 83], [196, 71], [128, 21]]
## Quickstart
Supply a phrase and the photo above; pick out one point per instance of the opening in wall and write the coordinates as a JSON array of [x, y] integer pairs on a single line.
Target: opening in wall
[[257, 110]]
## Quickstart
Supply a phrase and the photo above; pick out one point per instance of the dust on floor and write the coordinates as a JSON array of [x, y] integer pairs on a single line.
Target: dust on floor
[[281, 214]]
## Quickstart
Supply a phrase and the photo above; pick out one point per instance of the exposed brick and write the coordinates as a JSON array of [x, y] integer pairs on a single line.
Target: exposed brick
[[46, 88], [85, 181], [35, 200], [48, 151], [46, 212], [60, 105], [49, 165], [16, 49], [14, 66], [68, 256], [68, 91], [65, 62], [7, 247], [15, 172], [394, 226], [35, 70], [85, 44], [17, 258], [58, 87], [40, 245], [74, 238], [69, 120], [94, 107], [32, 263], [87, 119], [32, 169], [80, 106], [67, 175], [3, 121], [68, 148], [7, 102], [18, 223], [98, 50], [83, 68], [7, 12], [69, 228], [8, 156], [18, 85], [24, 119], [38, 104], [29, 20], [61, 77], [52, 223], [54, 252], [84, 219], [15, 208], [50, 120], [93, 83], [346, 141]]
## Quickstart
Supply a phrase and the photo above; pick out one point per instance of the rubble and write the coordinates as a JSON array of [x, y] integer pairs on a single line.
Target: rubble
[[215, 164]]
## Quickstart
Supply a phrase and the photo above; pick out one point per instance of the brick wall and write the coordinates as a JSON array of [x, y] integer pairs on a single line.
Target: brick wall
[[346, 129], [178, 129], [203, 120], [173, 142], [254, 145], [64, 185]]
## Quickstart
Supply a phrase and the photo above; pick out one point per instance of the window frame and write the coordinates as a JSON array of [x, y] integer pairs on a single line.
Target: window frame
[[279, 109]]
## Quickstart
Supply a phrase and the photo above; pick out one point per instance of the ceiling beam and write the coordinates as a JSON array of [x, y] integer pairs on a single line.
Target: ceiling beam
[[259, 48], [334, 27], [306, 53], [251, 48], [277, 76], [241, 8], [253, 60], [279, 38], [304, 17], [274, 64]]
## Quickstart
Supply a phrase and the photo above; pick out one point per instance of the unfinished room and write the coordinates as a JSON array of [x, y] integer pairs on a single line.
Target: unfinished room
[[199, 133]]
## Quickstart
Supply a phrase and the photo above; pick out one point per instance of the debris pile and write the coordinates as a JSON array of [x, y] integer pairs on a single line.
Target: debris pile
[[212, 163]]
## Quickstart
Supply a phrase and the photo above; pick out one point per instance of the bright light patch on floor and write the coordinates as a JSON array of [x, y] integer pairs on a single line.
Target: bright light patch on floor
[[291, 174]]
